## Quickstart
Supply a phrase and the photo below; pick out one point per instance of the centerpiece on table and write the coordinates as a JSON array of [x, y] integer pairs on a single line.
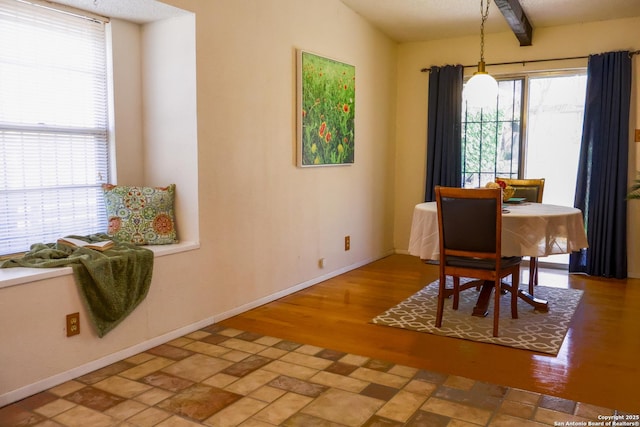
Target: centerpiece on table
[[507, 190]]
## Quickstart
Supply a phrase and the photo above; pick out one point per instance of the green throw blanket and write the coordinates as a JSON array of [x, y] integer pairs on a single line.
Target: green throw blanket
[[112, 283]]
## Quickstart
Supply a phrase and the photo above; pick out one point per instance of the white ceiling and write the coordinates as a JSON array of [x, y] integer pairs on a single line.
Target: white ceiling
[[421, 20], [138, 11], [411, 20]]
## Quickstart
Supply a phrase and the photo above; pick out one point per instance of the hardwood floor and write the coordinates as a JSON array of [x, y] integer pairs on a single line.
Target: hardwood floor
[[599, 362]]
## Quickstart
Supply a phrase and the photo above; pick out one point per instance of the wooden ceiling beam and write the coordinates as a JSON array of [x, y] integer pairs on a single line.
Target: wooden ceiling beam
[[517, 20]]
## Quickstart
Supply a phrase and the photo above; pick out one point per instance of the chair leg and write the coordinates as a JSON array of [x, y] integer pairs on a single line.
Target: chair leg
[[440, 307], [456, 292], [496, 306], [515, 283]]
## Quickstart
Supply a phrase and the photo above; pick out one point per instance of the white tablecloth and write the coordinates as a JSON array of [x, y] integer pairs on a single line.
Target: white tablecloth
[[528, 229]]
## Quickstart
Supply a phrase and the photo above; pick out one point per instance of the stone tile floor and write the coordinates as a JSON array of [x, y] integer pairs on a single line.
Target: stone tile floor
[[226, 377]]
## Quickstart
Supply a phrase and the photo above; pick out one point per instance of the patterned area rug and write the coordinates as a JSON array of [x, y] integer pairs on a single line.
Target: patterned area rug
[[533, 330]]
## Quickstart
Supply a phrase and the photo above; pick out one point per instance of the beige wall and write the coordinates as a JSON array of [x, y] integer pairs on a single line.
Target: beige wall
[[261, 222], [264, 223], [126, 126], [170, 125], [558, 42]]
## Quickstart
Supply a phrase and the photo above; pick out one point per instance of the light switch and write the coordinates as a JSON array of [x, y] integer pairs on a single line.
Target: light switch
[[637, 139]]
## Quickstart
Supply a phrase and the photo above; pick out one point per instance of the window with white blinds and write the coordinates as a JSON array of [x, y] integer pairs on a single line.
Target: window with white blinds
[[53, 124]]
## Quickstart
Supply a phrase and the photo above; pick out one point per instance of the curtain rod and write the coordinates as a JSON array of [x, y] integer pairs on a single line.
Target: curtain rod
[[631, 54]]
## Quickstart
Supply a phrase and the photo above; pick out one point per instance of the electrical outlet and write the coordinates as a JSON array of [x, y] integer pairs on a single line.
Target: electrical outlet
[[73, 324], [321, 263], [347, 243]]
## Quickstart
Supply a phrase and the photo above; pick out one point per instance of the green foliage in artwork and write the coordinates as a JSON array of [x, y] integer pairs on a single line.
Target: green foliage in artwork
[[328, 111]]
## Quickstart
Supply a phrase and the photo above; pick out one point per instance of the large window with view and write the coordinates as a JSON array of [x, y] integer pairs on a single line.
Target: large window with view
[[533, 131], [54, 151]]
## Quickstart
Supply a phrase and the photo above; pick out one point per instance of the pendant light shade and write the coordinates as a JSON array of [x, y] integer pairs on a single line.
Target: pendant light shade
[[481, 90]]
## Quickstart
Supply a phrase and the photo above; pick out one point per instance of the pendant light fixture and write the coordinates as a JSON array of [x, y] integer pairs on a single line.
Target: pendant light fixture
[[481, 90]]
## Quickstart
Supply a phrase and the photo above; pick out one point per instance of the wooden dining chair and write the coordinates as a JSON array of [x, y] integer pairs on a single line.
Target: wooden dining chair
[[470, 231], [531, 190]]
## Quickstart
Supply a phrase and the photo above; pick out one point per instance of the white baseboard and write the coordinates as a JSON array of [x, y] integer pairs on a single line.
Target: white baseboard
[[300, 286], [47, 383], [55, 380]]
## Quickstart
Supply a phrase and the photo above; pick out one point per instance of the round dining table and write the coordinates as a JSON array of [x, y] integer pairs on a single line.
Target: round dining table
[[528, 229]]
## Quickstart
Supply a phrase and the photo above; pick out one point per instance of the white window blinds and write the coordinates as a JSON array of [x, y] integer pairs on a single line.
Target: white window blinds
[[53, 125]]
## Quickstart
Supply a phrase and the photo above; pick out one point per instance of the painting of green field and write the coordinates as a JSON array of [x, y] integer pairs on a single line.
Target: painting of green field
[[326, 101]]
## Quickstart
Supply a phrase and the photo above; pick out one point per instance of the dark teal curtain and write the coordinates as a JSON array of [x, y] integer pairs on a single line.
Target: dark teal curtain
[[444, 145], [601, 186]]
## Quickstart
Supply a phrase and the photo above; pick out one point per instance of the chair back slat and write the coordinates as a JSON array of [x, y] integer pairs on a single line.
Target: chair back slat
[[529, 189], [469, 224], [530, 194]]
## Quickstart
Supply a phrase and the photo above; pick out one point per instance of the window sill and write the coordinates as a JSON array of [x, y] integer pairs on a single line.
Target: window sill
[[19, 275]]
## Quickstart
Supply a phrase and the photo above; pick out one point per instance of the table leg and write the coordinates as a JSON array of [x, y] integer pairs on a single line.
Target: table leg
[[533, 273], [482, 304], [537, 303]]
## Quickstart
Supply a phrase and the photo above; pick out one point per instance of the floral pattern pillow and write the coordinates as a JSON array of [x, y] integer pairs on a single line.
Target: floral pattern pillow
[[141, 215]]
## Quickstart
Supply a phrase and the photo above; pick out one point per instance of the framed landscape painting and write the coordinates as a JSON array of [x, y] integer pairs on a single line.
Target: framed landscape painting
[[326, 111]]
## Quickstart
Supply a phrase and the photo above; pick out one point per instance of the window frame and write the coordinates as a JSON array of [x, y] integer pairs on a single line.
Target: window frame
[[94, 136], [524, 107]]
